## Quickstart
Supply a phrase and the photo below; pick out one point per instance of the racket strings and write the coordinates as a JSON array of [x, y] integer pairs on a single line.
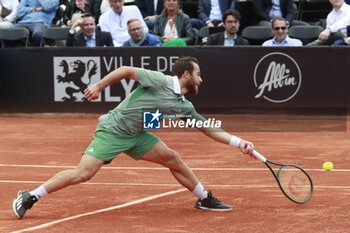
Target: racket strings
[[295, 183]]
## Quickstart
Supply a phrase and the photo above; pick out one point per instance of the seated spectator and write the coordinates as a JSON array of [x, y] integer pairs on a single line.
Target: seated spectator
[[280, 31], [149, 10], [114, 21], [36, 16], [105, 6], [173, 24], [210, 12], [138, 37], [266, 10], [88, 36], [336, 24], [231, 21], [76, 8], [8, 9]]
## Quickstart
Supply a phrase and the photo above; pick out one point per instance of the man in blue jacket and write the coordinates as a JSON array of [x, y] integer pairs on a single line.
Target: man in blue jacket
[[266, 10], [36, 16], [210, 12], [138, 37]]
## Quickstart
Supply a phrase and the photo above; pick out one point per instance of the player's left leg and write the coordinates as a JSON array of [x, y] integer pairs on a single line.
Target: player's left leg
[[163, 155], [169, 158]]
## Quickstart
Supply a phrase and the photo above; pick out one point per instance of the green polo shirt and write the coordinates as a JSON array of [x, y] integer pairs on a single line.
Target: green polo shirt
[[155, 91]]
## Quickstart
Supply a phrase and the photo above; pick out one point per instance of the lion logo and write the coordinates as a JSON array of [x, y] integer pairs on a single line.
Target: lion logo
[[73, 76]]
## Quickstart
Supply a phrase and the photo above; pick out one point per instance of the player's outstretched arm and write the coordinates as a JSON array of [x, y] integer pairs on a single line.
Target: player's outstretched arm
[[93, 91], [222, 136]]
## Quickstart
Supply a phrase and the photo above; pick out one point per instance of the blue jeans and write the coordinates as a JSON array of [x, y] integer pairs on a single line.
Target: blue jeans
[[339, 42], [36, 28], [150, 24], [198, 23]]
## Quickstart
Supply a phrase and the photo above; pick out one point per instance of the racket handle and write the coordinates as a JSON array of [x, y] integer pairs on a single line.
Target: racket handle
[[259, 156]]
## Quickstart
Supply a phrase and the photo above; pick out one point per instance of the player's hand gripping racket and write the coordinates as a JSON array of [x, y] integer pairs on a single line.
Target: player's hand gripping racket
[[294, 181]]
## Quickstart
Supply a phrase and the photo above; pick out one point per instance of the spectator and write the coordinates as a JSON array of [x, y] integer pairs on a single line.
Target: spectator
[[88, 36], [266, 10], [210, 12], [8, 9], [149, 10], [173, 24], [280, 31], [36, 16], [105, 6], [231, 21], [336, 24], [76, 8], [114, 21], [138, 37]]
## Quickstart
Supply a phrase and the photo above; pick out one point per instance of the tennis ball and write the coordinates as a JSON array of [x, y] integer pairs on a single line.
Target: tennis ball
[[327, 166]]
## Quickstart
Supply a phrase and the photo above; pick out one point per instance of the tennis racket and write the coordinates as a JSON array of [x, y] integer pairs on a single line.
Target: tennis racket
[[294, 181]]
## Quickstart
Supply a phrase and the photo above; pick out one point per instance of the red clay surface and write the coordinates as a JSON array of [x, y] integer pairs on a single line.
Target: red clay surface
[[34, 149]]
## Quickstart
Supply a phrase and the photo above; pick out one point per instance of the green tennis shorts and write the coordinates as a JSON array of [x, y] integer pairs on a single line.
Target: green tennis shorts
[[106, 144]]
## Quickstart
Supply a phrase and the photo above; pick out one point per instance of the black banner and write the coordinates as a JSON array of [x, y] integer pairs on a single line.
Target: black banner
[[250, 78]]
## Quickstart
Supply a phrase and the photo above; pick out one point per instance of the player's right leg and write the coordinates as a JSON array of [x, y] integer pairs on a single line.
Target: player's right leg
[[86, 169]]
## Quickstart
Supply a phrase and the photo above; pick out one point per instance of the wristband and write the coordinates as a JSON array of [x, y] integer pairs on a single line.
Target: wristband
[[235, 141]]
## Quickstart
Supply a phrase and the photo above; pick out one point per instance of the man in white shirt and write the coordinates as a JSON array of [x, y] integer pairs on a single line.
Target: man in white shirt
[[337, 21], [8, 9], [115, 21]]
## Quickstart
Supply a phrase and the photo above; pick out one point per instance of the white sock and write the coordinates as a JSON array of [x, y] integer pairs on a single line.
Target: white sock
[[39, 192], [200, 191]]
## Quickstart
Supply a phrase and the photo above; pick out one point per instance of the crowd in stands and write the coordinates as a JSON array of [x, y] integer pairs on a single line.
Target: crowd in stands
[[164, 23]]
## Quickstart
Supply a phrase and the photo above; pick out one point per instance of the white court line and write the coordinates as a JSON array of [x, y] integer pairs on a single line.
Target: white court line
[[162, 168], [101, 210], [125, 168], [274, 185]]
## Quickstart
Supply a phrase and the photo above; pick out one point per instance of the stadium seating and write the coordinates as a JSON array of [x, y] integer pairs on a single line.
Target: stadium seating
[[54, 34], [305, 33], [203, 35], [256, 35], [11, 37]]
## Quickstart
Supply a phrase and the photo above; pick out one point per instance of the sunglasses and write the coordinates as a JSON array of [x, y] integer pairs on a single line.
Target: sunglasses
[[278, 28]]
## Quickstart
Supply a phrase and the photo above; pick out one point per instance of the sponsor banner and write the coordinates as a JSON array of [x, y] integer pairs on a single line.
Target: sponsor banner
[[248, 78], [277, 77], [72, 75]]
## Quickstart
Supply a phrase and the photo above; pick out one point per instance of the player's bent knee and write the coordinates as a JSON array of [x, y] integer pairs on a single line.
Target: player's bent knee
[[82, 176], [173, 159]]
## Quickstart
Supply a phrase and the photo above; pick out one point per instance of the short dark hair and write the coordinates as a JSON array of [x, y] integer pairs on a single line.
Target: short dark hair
[[234, 13], [86, 15], [182, 64], [279, 19]]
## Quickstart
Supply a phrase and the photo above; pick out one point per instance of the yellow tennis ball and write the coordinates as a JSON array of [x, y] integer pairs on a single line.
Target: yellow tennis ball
[[327, 166]]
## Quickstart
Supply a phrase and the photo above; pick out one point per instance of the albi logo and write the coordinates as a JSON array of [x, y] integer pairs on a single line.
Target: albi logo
[[277, 77]]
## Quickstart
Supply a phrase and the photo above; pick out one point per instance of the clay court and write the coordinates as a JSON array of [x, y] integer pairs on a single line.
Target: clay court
[[130, 196]]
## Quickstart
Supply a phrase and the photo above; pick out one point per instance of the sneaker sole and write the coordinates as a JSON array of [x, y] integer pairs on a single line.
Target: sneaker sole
[[14, 204], [210, 209], [14, 208]]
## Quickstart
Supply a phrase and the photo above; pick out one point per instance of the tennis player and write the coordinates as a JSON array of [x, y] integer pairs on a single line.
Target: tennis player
[[120, 130]]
